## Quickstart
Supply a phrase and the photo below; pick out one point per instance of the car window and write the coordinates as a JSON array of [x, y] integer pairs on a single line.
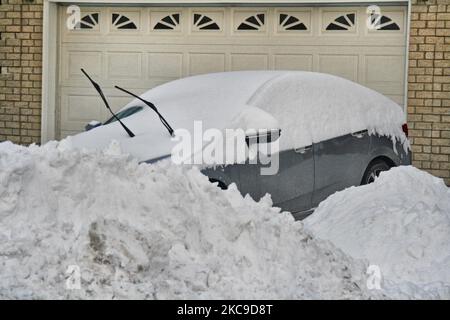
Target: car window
[[124, 113]]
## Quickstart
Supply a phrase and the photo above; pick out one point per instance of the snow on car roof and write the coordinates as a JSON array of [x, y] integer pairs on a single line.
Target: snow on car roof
[[307, 106], [311, 107]]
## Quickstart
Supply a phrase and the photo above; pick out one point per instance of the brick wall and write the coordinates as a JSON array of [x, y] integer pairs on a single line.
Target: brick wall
[[20, 74], [429, 86]]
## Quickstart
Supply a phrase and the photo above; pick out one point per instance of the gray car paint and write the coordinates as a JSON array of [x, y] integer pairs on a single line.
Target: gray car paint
[[305, 179]]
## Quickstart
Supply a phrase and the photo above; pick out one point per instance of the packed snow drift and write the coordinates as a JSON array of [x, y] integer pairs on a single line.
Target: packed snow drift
[[78, 224], [152, 232], [400, 223]]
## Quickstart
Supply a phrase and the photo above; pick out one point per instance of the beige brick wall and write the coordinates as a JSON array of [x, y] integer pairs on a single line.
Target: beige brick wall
[[429, 86], [20, 74], [428, 81]]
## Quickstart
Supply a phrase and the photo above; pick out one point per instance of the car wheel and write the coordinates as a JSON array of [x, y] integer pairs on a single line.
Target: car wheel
[[220, 184], [374, 171]]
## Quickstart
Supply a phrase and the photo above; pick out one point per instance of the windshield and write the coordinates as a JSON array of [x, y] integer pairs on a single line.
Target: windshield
[[124, 113]]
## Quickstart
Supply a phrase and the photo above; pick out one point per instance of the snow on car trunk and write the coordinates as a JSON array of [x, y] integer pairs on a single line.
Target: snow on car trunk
[[400, 223], [150, 231]]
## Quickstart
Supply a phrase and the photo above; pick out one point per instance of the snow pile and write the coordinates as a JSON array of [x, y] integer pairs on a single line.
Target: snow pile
[[151, 231], [312, 107], [400, 223]]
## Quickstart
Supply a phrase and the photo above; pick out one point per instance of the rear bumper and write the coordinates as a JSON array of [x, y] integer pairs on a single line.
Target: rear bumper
[[404, 158]]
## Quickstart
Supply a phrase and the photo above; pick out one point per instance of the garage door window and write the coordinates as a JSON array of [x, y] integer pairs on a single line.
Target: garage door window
[[203, 22], [289, 22], [344, 22], [169, 22], [252, 23], [122, 22], [89, 21], [382, 22]]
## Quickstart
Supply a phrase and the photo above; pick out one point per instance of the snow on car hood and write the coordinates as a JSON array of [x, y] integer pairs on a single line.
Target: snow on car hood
[[308, 107], [216, 99]]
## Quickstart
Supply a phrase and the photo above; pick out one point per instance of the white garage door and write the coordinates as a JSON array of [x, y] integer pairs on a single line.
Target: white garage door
[[139, 48]]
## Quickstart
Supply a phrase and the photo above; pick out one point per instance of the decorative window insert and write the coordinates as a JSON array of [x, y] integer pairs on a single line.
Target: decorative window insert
[[342, 23], [89, 21], [169, 22], [381, 22], [289, 22], [121, 22], [203, 22], [255, 22]]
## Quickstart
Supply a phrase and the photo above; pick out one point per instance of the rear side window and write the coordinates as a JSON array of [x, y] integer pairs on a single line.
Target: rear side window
[[124, 113]]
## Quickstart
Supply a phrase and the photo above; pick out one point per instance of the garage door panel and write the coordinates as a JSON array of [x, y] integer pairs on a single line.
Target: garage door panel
[[200, 63], [142, 47], [241, 61], [384, 69], [293, 62], [345, 66], [75, 60], [79, 109], [124, 65], [165, 65]]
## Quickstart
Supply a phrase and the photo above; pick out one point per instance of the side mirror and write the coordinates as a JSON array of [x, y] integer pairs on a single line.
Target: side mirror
[[262, 136], [93, 124]]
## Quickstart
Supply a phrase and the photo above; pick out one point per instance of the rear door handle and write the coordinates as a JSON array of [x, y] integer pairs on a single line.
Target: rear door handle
[[359, 134], [303, 149]]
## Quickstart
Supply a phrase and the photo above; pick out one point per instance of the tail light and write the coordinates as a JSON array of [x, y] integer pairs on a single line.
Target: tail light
[[405, 129]]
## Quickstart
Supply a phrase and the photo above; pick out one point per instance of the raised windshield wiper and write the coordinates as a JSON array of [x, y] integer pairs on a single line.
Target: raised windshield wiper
[[152, 106], [100, 92]]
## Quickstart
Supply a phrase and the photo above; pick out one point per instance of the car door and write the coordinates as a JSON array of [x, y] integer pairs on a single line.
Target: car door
[[339, 163], [291, 187]]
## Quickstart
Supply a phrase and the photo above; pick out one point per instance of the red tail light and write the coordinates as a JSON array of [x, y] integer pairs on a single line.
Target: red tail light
[[405, 129]]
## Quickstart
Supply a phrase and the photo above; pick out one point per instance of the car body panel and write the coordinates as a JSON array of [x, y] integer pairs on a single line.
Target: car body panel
[[382, 146], [291, 188], [306, 179], [339, 163]]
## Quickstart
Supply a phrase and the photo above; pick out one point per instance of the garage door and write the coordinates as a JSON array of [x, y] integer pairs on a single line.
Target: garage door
[[139, 48]]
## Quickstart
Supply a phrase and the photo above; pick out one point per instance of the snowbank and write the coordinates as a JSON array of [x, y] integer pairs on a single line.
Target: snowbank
[[151, 231], [400, 223]]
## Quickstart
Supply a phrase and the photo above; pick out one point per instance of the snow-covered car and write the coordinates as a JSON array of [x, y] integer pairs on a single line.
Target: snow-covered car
[[334, 133]]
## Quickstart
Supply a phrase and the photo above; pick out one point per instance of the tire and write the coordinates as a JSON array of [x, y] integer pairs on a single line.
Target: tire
[[220, 184], [373, 170]]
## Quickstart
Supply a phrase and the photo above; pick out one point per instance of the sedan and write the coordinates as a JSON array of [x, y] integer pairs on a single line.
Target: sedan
[[331, 133]]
